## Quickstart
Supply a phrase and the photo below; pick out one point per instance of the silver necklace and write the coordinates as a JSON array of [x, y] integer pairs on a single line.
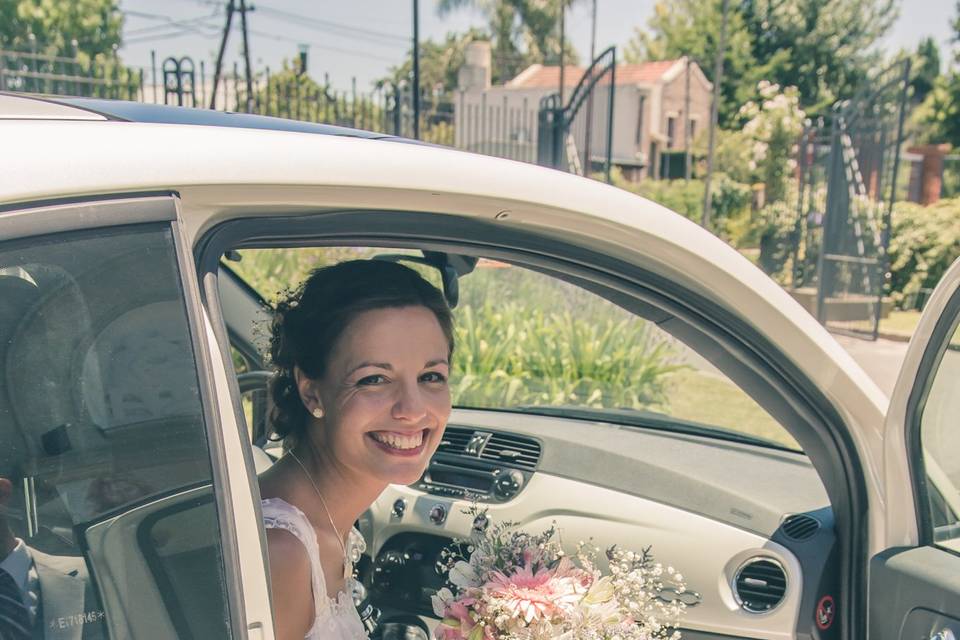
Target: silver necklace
[[323, 503]]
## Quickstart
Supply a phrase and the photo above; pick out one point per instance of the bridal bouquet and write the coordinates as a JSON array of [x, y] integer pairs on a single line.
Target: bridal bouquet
[[510, 585]]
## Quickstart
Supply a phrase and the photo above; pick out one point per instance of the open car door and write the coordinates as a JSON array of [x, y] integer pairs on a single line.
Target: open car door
[[915, 583]]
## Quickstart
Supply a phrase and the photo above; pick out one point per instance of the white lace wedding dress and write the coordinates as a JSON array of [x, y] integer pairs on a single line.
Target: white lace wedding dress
[[335, 618]]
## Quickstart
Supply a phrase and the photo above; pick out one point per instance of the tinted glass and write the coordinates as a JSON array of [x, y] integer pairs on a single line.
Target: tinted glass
[[941, 446], [106, 489]]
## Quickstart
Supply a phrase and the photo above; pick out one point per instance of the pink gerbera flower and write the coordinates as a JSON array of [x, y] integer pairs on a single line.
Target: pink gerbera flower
[[541, 595]]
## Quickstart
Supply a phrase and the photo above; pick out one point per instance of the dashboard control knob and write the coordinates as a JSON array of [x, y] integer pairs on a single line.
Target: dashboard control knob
[[438, 514], [508, 484], [399, 507]]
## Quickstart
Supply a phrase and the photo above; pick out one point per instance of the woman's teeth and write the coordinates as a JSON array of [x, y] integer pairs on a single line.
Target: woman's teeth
[[399, 441]]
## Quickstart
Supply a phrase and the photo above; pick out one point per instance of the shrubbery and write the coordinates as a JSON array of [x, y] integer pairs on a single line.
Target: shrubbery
[[923, 243]]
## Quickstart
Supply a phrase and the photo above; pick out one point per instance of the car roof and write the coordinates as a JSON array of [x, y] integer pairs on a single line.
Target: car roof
[[42, 107]]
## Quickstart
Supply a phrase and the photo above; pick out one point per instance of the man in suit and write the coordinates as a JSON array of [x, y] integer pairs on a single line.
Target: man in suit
[[41, 595]]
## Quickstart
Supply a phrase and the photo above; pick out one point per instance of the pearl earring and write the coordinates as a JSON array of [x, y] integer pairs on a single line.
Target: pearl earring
[[317, 412]]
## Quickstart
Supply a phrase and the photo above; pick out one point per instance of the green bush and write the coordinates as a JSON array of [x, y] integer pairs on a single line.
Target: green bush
[[923, 243], [730, 202], [776, 228], [521, 338]]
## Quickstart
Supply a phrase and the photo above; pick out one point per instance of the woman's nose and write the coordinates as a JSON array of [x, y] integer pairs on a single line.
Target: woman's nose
[[409, 405]]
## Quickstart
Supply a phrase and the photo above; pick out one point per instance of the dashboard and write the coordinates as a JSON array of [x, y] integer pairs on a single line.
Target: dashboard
[[749, 527]]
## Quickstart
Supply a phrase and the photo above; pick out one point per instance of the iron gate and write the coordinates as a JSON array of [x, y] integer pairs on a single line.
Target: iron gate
[[579, 135], [847, 166]]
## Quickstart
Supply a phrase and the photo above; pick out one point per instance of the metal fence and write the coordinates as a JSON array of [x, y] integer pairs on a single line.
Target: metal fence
[[41, 73], [576, 136], [849, 167]]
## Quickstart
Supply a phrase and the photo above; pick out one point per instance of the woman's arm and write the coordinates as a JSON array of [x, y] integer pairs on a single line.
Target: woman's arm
[[291, 584]]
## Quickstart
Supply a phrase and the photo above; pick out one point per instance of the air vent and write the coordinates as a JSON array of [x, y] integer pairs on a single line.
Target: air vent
[[455, 440], [760, 585], [800, 527], [512, 450]]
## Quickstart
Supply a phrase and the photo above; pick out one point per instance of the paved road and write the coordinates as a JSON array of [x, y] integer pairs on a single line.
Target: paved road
[[881, 359]]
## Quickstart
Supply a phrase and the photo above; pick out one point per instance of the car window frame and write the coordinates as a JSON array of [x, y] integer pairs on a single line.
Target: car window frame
[[759, 366], [946, 325], [37, 219]]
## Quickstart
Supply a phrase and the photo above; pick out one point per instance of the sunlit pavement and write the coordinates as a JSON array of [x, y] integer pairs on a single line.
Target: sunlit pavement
[[881, 359]]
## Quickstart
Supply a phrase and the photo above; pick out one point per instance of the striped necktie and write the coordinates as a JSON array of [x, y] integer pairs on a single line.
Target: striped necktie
[[14, 616]]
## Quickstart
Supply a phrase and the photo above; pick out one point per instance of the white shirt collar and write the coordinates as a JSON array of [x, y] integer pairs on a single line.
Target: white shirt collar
[[17, 564]]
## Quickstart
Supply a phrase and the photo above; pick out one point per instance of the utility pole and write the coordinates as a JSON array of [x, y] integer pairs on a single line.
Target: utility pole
[[223, 48], [593, 57], [246, 54], [416, 69], [563, 11], [717, 80], [686, 122]]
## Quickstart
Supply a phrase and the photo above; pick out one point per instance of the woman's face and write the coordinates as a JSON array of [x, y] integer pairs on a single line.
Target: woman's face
[[385, 395]]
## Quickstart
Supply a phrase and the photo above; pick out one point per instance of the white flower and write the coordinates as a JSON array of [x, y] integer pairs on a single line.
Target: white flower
[[464, 575], [440, 600]]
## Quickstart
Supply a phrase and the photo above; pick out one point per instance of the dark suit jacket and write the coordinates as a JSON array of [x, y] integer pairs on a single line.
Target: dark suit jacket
[[69, 609]]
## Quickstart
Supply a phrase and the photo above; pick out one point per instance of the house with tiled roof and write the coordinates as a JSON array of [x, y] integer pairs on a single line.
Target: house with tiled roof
[[649, 111]]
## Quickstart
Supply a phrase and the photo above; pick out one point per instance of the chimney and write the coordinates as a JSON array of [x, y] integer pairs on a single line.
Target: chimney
[[474, 75]]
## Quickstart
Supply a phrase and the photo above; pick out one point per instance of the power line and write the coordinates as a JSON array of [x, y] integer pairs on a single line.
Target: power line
[[352, 52], [167, 23], [344, 30]]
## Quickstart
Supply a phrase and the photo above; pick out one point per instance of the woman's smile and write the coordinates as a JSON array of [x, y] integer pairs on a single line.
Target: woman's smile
[[400, 443]]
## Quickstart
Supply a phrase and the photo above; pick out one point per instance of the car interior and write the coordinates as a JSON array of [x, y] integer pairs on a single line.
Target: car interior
[[725, 495], [577, 403]]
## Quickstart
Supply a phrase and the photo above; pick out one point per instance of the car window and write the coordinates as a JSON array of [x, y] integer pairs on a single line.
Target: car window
[[531, 342], [941, 446], [105, 475]]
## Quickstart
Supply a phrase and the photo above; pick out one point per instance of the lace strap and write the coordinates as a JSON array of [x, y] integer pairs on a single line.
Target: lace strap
[[279, 514]]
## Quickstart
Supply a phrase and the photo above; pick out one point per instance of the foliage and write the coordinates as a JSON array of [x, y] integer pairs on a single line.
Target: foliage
[[925, 68], [87, 29], [825, 49], [773, 126], [550, 343], [938, 117], [924, 242], [729, 201], [776, 229], [692, 28], [522, 32], [440, 62]]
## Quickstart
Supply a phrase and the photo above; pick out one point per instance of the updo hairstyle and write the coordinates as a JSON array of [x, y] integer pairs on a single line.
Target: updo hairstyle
[[309, 321]]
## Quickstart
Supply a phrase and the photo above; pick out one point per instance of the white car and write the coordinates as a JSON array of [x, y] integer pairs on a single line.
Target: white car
[[765, 465]]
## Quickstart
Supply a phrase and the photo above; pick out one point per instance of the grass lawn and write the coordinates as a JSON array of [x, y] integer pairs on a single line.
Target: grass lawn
[[900, 322], [703, 397]]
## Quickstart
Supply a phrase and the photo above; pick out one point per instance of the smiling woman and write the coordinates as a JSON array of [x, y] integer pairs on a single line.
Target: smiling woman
[[362, 357]]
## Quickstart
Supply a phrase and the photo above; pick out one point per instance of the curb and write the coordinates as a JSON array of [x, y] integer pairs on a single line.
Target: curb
[[893, 337]]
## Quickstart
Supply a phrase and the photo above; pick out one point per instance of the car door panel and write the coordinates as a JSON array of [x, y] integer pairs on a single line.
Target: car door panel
[[915, 583]]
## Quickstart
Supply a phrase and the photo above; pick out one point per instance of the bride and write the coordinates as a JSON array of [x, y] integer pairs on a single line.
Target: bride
[[362, 355]]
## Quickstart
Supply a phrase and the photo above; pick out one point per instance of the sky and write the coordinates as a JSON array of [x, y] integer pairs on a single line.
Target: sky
[[362, 39]]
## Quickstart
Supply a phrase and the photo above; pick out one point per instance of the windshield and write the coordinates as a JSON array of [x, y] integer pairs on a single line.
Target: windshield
[[531, 342]]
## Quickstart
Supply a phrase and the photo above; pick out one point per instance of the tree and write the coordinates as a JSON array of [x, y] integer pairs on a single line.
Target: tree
[[86, 28], [938, 117], [440, 62], [692, 28], [522, 32], [926, 68], [824, 48]]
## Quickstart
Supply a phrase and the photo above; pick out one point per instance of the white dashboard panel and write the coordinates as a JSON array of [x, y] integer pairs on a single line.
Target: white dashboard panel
[[707, 553]]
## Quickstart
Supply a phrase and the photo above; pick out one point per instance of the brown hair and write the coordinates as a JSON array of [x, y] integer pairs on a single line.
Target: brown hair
[[308, 323]]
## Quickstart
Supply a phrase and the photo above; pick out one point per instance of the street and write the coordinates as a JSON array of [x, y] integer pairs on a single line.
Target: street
[[881, 359]]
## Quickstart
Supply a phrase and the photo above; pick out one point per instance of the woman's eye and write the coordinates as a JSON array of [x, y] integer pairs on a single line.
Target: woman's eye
[[371, 380], [433, 376]]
